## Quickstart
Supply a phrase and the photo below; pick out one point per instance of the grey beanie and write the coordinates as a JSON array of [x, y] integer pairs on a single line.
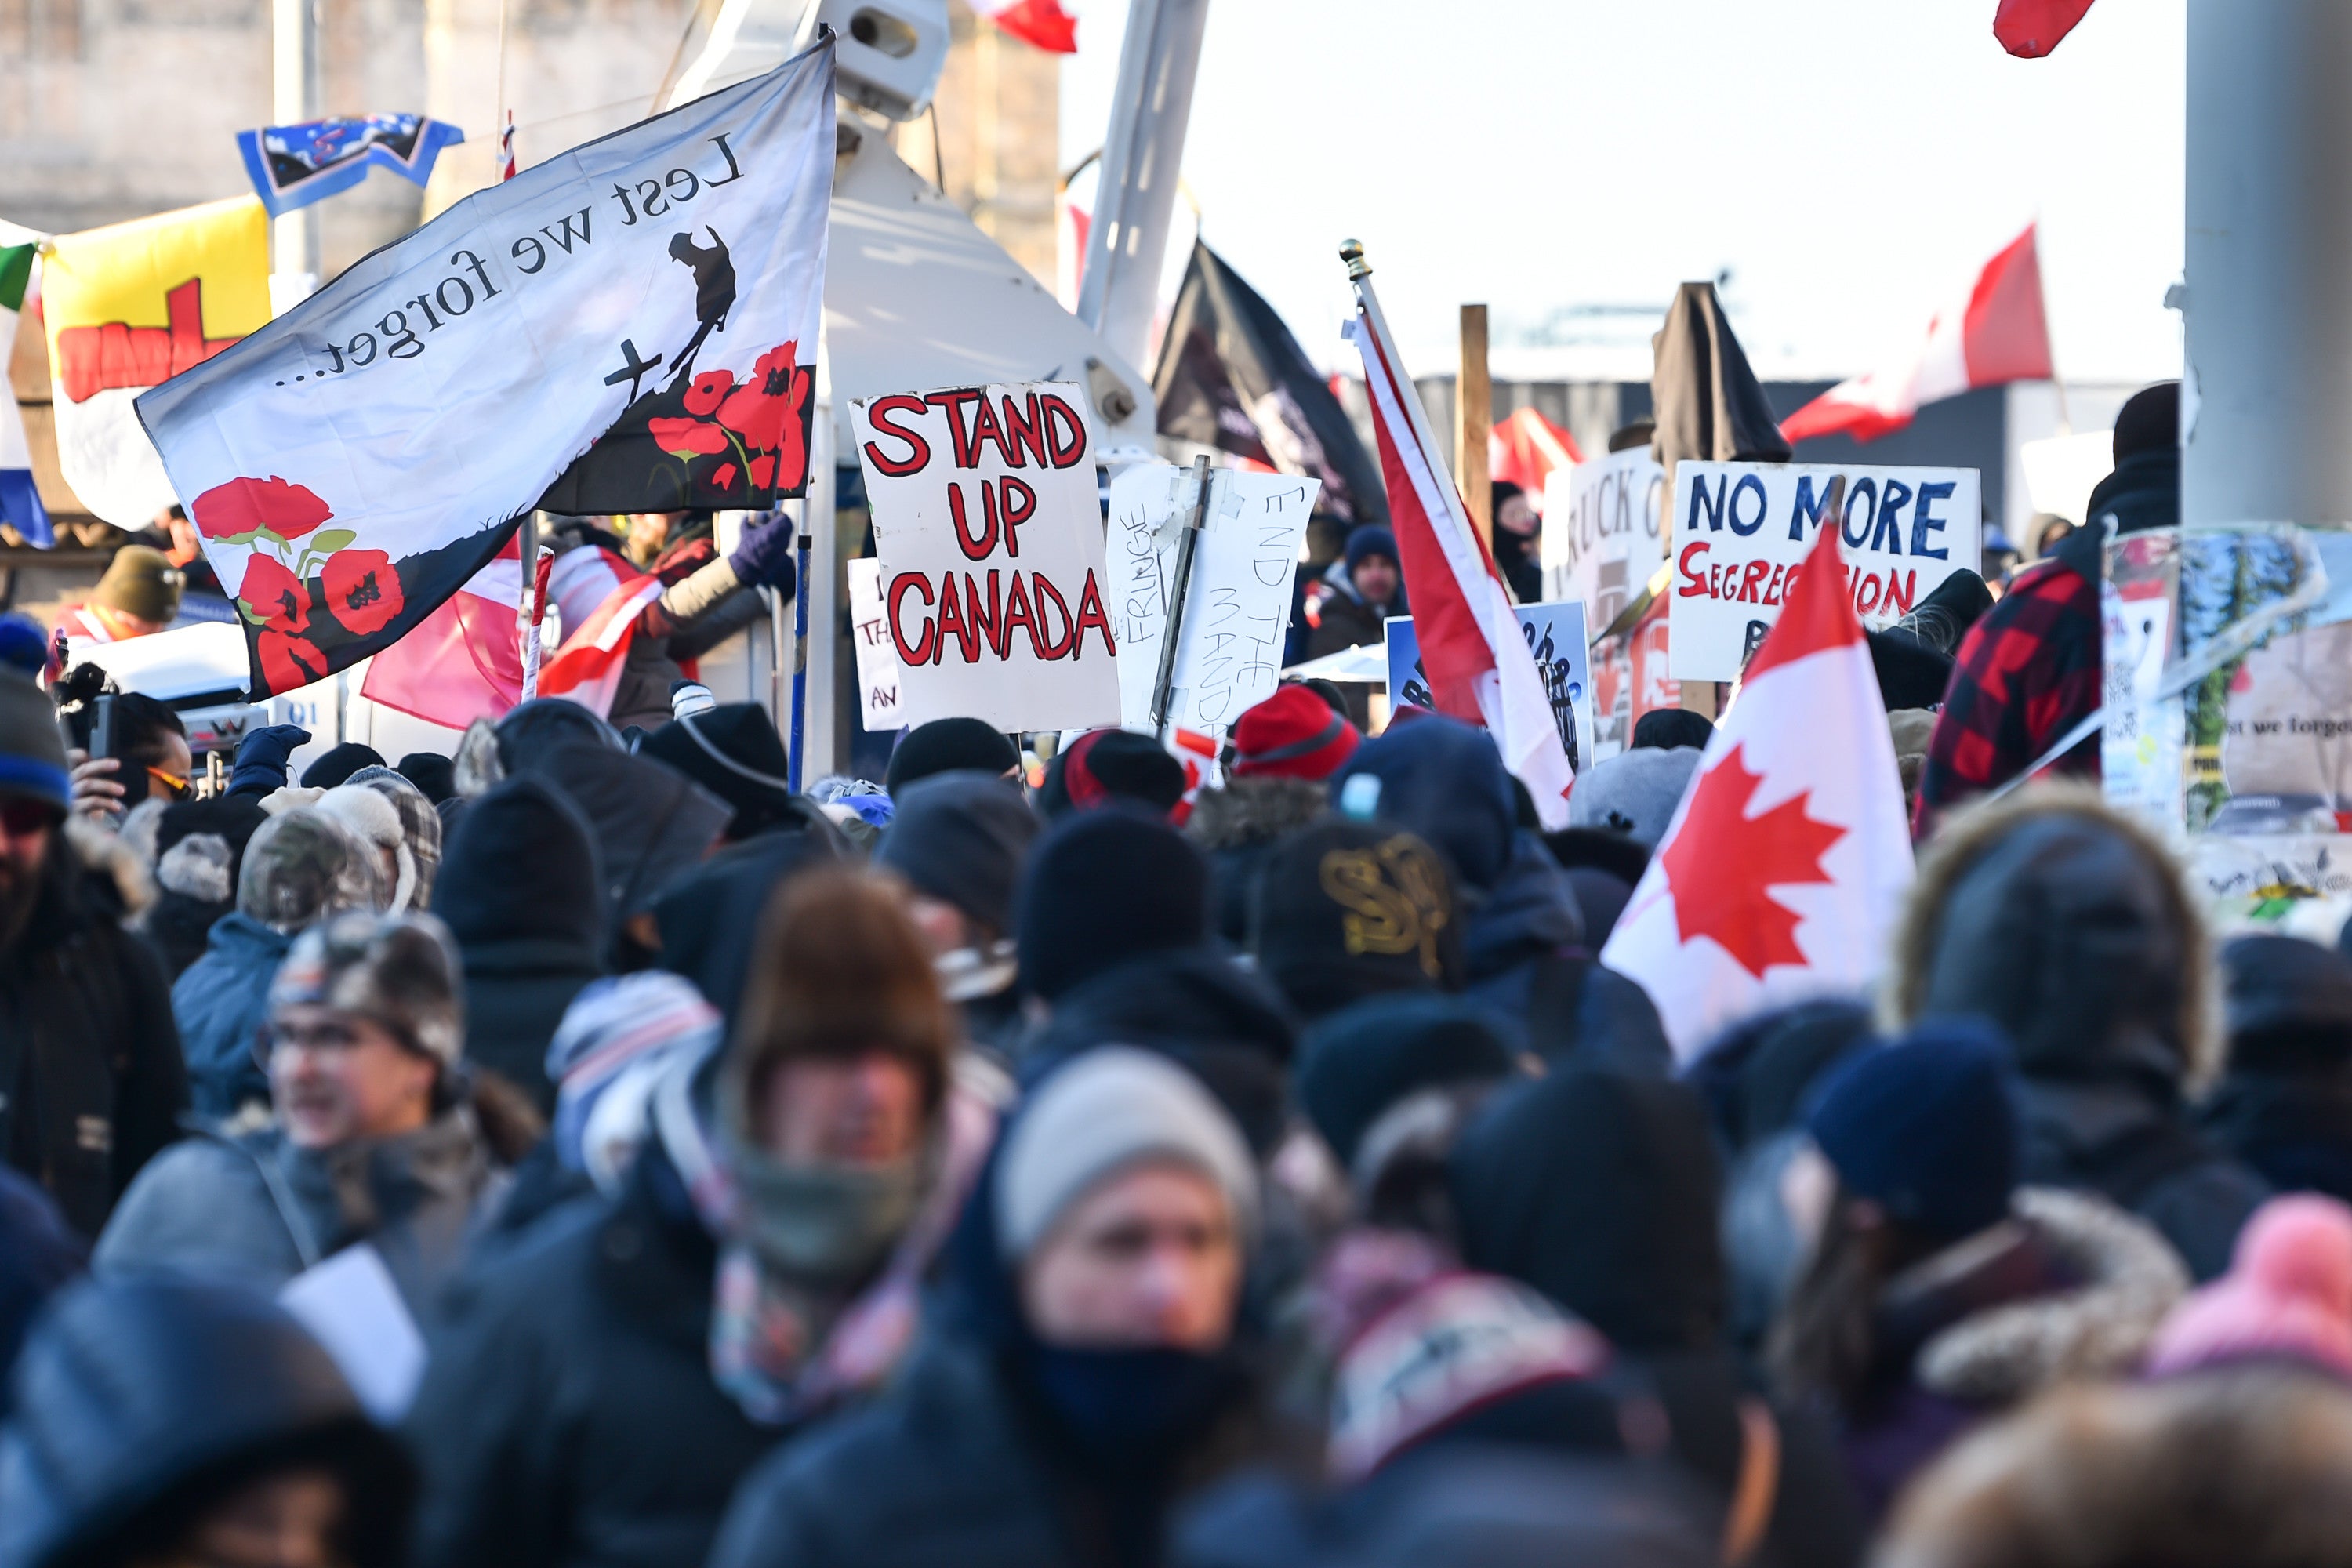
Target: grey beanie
[[1634, 792], [397, 971], [301, 866], [1109, 1108], [960, 837]]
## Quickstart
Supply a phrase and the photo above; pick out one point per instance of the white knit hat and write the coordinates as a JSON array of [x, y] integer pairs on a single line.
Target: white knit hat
[[1111, 1108]]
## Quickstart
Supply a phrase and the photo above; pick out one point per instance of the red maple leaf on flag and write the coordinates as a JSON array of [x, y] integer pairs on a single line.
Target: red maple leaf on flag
[[1723, 864]]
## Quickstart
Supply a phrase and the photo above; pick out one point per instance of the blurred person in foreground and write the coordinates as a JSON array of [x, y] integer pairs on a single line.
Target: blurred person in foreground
[[598, 1387], [379, 1135], [1093, 1376], [167, 1423]]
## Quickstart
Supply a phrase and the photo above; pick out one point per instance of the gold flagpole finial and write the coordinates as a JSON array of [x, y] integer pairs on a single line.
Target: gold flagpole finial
[[1351, 251]]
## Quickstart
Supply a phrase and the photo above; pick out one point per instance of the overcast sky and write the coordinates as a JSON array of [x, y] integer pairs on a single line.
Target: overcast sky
[[1851, 162]]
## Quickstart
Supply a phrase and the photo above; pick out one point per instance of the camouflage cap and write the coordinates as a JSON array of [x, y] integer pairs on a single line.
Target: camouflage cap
[[400, 972], [420, 825], [302, 866]]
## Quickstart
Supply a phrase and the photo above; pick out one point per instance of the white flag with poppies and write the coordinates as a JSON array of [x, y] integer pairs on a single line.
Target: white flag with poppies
[[1783, 870], [630, 326]]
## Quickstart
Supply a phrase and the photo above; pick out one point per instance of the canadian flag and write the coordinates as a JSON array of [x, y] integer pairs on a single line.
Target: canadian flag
[[1997, 333], [2032, 28], [1479, 667], [1040, 22], [600, 596], [1782, 873], [1523, 449], [462, 662]]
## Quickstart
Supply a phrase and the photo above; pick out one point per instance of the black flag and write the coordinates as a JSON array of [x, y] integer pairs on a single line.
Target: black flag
[[1232, 376], [1707, 404]]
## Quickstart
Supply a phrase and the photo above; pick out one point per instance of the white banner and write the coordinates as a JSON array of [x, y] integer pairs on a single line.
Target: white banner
[[1238, 606], [1602, 532], [1741, 529], [990, 537], [878, 656]]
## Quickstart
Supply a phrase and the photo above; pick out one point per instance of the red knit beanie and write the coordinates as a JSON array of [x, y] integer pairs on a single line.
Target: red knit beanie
[[1292, 734]]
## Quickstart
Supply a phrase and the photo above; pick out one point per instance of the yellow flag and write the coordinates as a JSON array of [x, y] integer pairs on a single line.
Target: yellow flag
[[129, 306]]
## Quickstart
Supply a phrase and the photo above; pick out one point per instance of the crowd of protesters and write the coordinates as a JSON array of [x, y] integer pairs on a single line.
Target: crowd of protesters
[[1113, 1171]]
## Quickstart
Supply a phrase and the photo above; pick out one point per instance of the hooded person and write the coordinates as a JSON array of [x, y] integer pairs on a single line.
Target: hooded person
[[1351, 910], [172, 1421], [959, 840], [377, 1135], [2066, 924], [199, 851], [734, 750], [1600, 1190], [1106, 766], [1284, 748], [2284, 1103], [420, 826], [2244, 1467], [375, 821], [1938, 1291], [1523, 940], [951, 745], [599, 1388], [299, 867], [522, 895], [1092, 1375]]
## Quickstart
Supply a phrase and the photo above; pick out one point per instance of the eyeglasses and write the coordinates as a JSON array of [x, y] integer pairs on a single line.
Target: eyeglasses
[[174, 784], [22, 818]]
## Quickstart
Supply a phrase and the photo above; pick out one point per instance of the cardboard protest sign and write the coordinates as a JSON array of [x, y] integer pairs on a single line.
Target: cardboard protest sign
[[878, 656], [1237, 606], [990, 539], [1603, 531], [1555, 637], [1740, 529]]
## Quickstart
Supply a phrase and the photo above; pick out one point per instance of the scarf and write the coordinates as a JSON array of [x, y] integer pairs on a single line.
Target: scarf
[[800, 1319]]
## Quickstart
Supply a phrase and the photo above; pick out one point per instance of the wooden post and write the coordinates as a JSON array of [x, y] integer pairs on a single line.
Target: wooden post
[[1473, 416]]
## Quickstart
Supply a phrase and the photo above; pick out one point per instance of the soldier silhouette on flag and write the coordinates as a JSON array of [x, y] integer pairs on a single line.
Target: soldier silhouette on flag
[[714, 293]]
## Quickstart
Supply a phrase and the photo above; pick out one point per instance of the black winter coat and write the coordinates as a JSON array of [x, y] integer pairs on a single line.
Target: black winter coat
[[568, 1415], [2294, 1130], [951, 1470], [91, 1083]]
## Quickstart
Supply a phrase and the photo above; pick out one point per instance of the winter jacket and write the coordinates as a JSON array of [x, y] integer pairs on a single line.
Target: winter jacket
[[38, 1256], [701, 606], [568, 1414], [2292, 1130], [1236, 825], [221, 1002], [1344, 619], [2067, 925], [252, 1209], [2071, 1287], [144, 1401], [92, 1081]]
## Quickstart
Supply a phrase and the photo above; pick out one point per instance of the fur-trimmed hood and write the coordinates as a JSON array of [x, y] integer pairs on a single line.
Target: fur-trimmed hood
[[2069, 925], [107, 854], [1253, 810], [2100, 1328]]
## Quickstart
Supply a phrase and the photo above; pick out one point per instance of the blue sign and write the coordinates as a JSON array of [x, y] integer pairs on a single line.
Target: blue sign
[[293, 165], [1555, 634]]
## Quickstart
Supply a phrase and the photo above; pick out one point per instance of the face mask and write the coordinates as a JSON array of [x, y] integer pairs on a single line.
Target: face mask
[[1131, 1405], [825, 1225]]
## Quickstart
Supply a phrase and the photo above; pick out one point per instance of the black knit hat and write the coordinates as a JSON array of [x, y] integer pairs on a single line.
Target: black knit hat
[[2150, 421], [732, 751], [949, 745], [1101, 887], [1360, 1061], [431, 772], [1667, 728], [960, 837], [1104, 765], [340, 763], [1351, 909], [2286, 1004]]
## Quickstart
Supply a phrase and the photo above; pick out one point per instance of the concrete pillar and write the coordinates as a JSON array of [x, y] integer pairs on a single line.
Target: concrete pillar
[[2267, 401]]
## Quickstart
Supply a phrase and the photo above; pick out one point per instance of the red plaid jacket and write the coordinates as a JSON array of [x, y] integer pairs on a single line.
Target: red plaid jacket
[[2027, 672]]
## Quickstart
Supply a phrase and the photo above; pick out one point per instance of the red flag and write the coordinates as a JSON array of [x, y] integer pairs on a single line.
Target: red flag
[[462, 662], [1997, 333], [2032, 28], [1786, 864], [1523, 449], [1040, 22]]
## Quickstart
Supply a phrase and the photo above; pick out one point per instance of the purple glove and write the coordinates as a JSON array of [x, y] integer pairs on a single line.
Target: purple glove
[[763, 557]]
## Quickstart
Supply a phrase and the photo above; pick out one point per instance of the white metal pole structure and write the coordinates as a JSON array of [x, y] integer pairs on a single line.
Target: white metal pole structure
[[1144, 153], [294, 98], [2266, 405]]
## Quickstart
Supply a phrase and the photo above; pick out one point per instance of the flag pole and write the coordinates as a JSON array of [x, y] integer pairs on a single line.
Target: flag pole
[[1359, 273], [1188, 542], [801, 546]]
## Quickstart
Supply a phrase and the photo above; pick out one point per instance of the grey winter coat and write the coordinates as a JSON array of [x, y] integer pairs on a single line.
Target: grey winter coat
[[255, 1210]]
